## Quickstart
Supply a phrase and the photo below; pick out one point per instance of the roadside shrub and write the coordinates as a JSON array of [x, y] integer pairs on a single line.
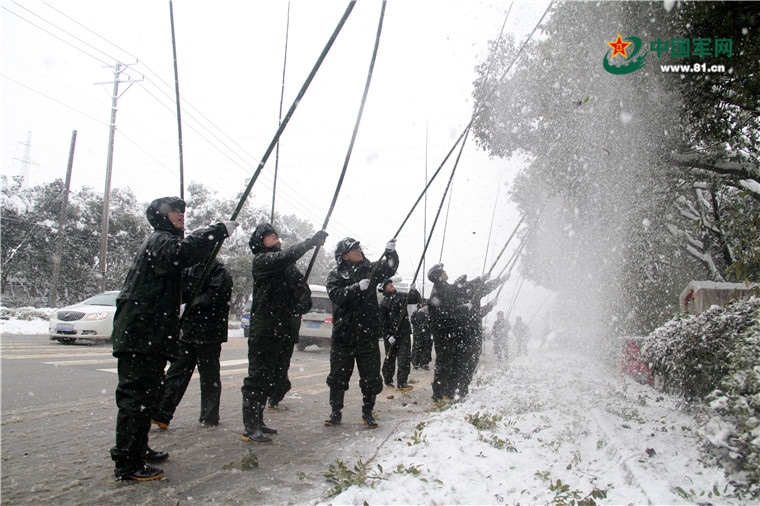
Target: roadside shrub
[[714, 357], [691, 354], [25, 313], [738, 403]]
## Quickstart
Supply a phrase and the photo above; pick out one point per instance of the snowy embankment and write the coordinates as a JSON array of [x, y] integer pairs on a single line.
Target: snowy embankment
[[24, 320], [34, 321], [552, 427]]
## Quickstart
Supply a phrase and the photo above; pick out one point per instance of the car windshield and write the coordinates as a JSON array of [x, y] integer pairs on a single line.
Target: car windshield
[[102, 299], [321, 305]]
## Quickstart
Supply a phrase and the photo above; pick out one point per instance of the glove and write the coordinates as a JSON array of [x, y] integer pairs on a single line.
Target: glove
[[390, 245], [363, 284], [319, 238], [486, 276], [392, 340], [412, 287], [503, 278], [230, 226], [468, 306]]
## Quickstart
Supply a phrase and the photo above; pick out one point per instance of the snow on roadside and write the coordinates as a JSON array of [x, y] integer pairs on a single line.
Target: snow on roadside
[[29, 321], [25, 320], [552, 416]]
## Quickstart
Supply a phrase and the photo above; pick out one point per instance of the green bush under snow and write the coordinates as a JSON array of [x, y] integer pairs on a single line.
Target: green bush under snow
[[715, 357]]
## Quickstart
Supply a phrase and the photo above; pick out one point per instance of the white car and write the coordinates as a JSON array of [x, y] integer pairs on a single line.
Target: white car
[[316, 325], [91, 319]]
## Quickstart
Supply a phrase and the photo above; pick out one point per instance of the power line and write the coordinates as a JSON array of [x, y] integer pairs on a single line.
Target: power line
[[54, 35], [54, 100], [245, 157], [91, 31]]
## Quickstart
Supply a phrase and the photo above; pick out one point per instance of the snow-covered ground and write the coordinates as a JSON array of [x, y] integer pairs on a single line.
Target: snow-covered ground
[[24, 327], [550, 428]]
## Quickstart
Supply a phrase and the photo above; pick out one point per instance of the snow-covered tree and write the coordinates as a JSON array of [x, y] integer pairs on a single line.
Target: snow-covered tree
[[619, 226], [31, 224]]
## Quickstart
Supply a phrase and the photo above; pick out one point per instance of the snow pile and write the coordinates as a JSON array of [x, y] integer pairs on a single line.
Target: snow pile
[[554, 427], [24, 320], [31, 321]]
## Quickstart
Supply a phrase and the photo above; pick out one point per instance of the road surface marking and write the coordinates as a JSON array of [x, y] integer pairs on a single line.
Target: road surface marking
[[82, 362]]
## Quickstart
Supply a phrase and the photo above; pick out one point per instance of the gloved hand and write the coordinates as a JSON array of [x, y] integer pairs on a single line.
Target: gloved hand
[[363, 284], [503, 278], [468, 306], [412, 287], [486, 276], [319, 238], [230, 226], [390, 245], [392, 340]]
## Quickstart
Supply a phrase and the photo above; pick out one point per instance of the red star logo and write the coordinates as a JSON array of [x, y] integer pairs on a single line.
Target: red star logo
[[618, 47]]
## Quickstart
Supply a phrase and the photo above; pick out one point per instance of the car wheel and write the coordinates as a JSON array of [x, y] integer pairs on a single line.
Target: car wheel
[[246, 332], [66, 340], [301, 346]]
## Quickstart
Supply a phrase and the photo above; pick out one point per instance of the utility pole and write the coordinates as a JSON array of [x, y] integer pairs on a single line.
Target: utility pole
[[53, 294], [118, 69]]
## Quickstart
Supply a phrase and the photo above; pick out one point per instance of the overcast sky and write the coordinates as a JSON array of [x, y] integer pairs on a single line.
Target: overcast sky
[[57, 68]]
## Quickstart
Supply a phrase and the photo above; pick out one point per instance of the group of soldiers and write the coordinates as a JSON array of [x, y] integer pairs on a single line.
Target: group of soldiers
[[169, 270], [500, 334], [456, 323]]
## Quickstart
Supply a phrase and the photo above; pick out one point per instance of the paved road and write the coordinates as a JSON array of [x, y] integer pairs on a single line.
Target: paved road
[[58, 416]]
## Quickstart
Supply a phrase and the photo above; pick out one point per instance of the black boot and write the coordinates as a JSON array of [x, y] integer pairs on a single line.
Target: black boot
[[252, 420], [155, 455], [369, 403], [133, 468], [336, 404], [264, 428], [142, 472]]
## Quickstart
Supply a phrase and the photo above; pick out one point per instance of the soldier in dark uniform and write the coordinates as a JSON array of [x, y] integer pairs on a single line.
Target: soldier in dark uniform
[[203, 332], [470, 349], [423, 341], [356, 325], [280, 296], [449, 314], [146, 328], [500, 333], [522, 335], [397, 330]]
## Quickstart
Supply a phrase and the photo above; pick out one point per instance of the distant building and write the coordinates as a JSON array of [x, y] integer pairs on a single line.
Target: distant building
[[701, 295]]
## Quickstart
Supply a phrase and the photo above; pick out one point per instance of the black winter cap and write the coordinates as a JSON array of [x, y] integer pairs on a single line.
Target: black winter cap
[[256, 242], [158, 211], [434, 273], [344, 246]]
